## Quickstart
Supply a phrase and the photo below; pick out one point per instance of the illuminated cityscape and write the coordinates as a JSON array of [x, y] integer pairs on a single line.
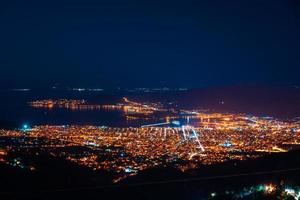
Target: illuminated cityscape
[[201, 139], [149, 100]]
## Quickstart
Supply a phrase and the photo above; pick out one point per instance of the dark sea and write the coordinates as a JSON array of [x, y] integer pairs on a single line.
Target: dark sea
[[15, 110], [278, 102]]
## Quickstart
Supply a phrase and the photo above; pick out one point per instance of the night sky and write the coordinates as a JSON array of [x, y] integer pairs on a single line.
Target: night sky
[[148, 43]]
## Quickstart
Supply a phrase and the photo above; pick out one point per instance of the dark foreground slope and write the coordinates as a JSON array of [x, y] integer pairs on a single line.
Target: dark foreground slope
[[59, 179]]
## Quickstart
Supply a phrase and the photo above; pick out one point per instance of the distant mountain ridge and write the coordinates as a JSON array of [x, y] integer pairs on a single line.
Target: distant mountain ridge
[[276, 101], [281, 102]]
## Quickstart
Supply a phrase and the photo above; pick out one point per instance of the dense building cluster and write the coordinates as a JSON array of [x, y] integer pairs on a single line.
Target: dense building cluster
[[213, 138]]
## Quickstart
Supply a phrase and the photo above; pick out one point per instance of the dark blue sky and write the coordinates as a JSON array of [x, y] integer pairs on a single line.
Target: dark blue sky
[[148, 43]]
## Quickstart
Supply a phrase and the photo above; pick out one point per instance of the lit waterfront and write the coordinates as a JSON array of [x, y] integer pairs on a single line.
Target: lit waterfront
[[81, 104]]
